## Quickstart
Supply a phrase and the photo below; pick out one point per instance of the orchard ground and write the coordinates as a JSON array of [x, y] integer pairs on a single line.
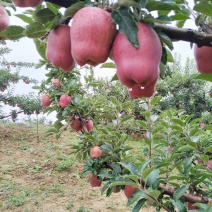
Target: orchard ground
[[39, 173]]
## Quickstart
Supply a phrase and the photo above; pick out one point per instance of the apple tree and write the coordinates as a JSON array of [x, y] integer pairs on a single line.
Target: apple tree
[[9, 77], [170, 167]]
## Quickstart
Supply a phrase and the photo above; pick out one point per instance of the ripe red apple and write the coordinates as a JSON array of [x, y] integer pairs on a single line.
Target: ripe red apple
[[169, 148], [45, 101], [202, 125], [58, 49], [56, 82], [4, 19], [76, 124], [210, 164], [144, 136], [203, 59], [92, 34], [137, 66], [138, 91], [95, 182], [65, 100], [96, 152], [129, 190], [133, 134], [27, 3], [88, 125]]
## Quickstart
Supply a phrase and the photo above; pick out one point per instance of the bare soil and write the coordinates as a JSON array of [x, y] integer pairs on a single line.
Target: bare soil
[[40, 174]]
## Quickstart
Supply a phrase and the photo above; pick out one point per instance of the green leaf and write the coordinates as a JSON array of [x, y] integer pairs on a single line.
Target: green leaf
[[177, 121], [143, 166], [203, 7], [125, 118], [70, 11], [130, 167], [13, 32], [108, 65], [41, 48], [115, 78], [139, 204], [207, 77], [152, 177], [25, 18], [136, 195], [127, 24], [179, 17], [179, 192], [123, 182], [35, 30], [155, 100], [165, 39], [127, 3], [45, 15], [159, 5]]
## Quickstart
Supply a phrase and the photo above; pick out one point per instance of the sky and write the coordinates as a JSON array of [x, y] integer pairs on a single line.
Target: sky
[[25, 51]]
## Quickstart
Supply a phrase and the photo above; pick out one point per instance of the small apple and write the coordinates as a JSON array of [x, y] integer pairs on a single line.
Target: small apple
[[203, 60], [169, 149], [88, 125], [94, 182], [45, 101], [56, 82], [27, 3], [76, 124], [96, 152], [129, 190], [144, 136], [210, 164], [65, 100], [133, 134], [202, 125]]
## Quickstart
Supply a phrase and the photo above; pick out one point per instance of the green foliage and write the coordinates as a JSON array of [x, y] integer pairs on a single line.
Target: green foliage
[[28, 104]]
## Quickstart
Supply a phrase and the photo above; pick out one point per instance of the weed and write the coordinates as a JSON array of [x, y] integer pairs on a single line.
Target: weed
[[65, 164], [82, 209], [69, 204]]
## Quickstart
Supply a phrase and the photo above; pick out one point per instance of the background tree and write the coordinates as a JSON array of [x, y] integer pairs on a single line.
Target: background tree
[[9, 77]]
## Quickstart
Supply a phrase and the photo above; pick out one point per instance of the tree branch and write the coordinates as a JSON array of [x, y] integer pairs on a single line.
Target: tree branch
[[188, 35], [62, 3]]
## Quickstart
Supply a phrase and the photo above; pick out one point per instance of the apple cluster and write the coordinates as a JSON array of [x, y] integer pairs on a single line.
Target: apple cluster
[[77, 123], [90, 39]]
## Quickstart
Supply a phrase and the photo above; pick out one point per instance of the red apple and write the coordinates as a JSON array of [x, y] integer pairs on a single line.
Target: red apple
[[202, 125], [169, 148], [45, 101], [96, 152], [133, 134], [27, 3], [88, 125], [144, 136], [95, 182], [138, 91], [203, 59], [56, 82], [92, 34], [4, 19], [210, 164], [137, 66], [129, 190], [76, 124], [65, 100], [58, 49]]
